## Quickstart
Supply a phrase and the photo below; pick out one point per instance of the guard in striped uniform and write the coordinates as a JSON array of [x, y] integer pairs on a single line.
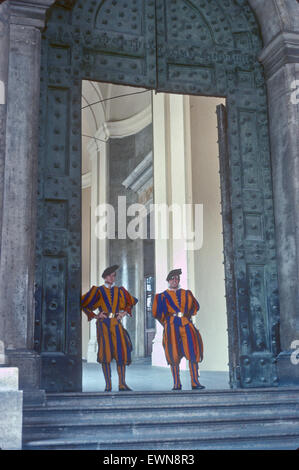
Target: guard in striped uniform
[[174, 308], [114, 342]]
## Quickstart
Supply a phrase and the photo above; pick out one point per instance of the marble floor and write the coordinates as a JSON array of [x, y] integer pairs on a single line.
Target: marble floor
[[142, 376]]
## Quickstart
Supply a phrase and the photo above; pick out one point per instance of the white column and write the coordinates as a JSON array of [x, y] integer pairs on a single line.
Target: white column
[[178, 182], [98, 150], [181, 184], [160, 197], [181, 189], [172, 185]]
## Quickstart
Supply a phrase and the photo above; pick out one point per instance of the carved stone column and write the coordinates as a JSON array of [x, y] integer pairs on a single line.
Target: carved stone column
[[281, 61], [4, 46], [19, 203]]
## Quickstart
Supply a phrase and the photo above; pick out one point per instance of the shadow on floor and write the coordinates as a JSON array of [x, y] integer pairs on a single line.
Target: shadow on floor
[[142, 376]]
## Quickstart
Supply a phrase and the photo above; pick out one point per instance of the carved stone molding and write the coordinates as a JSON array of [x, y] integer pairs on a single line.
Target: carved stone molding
[[142, 176], [130, 126], [29, 13], [284, 49], [275, 16], [119, 129], [86, 180]]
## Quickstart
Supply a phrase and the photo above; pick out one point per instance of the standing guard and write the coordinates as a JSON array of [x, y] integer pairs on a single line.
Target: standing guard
[[174, 308], [113, 339]]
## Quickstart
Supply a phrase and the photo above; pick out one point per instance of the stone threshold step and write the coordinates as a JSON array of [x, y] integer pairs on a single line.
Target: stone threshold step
[[157, 407], [234, 392], [167, 418], [131, 433], [272, 444], [175, 399], [182, 442]]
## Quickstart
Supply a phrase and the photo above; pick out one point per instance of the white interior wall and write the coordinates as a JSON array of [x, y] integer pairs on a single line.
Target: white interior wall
[[209, 268], [86, 198]]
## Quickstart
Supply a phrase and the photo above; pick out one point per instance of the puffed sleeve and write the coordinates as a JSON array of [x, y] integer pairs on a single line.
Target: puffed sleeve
[[194, 304], [130, 301], [89, 302], [159, 308]]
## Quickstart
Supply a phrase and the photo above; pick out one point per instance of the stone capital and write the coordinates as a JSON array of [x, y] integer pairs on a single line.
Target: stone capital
[[96, 142], [284, 49], [29, 13]]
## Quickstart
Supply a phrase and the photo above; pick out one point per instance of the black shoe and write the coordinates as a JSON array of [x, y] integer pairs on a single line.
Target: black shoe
[[107, 389], [177, 388], [198, 387], [125, 389]]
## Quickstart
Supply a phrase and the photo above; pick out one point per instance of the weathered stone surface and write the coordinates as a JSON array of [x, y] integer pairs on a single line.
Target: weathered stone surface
[[30, 13], [9, 378], [19, 202], [281, 60], [18, 247], [11, 409], [2, 353], [18, 228], [4, 46], [275, 16], [28, 363], [222, 419], [11, 420]]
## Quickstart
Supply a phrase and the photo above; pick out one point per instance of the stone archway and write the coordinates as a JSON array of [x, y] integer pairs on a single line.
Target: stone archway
[[20, 73], [195, 47]]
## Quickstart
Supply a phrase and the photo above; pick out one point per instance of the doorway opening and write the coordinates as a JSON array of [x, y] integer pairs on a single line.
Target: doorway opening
[[158, 151]]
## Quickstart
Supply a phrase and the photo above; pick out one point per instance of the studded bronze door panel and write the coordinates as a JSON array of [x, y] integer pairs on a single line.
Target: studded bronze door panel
[[254, 238], [210, 48], [230, 282], [205, 47], [106, 41]]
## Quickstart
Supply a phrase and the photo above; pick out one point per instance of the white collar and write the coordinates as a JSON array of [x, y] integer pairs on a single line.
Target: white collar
[[109, 286]]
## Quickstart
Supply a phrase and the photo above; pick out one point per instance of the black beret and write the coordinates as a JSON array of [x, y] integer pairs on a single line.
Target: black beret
[[174, 272], [109, 270]]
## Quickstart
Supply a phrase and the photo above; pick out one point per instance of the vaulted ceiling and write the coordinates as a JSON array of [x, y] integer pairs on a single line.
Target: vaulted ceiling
[[105, 102]]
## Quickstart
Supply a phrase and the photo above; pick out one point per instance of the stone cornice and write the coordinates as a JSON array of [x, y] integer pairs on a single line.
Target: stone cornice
[[284, 49], [29, 13]]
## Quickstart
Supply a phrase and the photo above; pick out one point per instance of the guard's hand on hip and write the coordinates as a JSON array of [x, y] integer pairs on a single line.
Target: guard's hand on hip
[[101, 316], [120, 315]]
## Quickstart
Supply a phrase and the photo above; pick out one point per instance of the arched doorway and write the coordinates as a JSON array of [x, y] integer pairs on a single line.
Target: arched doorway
[[148, 148], [197, 47]]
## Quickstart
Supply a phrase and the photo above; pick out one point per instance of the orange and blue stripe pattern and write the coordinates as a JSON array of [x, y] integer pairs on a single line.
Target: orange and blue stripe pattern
[[180, 337], [193, 368], [121, 370], [107, 374], [175, 370], [107, 300], [113, 340]]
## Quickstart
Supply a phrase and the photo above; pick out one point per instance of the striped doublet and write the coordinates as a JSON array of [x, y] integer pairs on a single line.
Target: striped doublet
[[173, 309], [113, 339]]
